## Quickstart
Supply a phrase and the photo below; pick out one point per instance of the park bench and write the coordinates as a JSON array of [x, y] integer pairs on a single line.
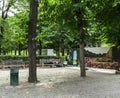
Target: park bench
[[13, 64], [50, 62], [46, 62]]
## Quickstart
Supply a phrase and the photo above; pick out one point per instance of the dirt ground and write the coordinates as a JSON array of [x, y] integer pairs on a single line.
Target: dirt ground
[[62, 82]]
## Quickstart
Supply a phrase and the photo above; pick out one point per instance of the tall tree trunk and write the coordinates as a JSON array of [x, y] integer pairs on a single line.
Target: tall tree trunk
[[15, 51], [4, 52], [26, 52], [1, 38], [61, 47], [81, 40], [19, 49], [62, 50], [31, 41], [78, 57], [58, 50], [40, 47]]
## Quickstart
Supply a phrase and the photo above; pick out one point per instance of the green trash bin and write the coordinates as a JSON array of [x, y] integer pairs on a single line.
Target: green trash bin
[[14, 76]]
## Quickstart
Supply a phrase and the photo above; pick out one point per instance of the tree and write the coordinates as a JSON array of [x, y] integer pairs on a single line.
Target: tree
[[5, 7], [15, 32], [107, 14], [54, 30], [66, 18], [31, 40], [62, 21], [81, 56]]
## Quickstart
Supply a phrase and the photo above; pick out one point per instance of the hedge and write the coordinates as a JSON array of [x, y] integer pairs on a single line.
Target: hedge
[[25, 58]]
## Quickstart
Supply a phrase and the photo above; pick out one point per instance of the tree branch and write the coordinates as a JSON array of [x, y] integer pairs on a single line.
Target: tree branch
[[5, 11]]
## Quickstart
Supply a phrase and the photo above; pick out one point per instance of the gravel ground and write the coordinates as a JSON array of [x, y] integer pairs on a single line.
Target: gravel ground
[[62, 83]]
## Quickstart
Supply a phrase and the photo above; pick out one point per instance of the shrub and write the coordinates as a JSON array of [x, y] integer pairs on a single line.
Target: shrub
[[25, 58]]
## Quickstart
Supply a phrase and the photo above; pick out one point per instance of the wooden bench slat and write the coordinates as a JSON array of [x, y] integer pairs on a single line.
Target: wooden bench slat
[[13, 64], [49, 62]]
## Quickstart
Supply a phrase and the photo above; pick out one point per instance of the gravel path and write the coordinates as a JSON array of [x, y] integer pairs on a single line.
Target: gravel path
[[62, 83]]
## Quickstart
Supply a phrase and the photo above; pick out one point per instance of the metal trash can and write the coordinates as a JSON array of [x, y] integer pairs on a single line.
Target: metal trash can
[[14, 76]]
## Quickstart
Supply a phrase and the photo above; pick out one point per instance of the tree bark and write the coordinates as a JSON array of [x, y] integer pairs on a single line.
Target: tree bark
[[31, 41], [81, 40], [19, 49], [59, 50], [62, 50], [40, 47]]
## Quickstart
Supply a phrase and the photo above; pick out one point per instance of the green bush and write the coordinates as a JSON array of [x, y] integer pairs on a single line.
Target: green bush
[[25, 58]]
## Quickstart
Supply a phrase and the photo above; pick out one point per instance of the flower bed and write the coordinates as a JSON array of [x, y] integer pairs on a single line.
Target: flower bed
[[105, 65]]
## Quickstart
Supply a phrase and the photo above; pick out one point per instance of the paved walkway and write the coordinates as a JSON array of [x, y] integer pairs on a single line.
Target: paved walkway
[[62, 83]]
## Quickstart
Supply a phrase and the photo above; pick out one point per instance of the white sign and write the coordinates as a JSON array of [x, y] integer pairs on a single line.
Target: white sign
[[50, 52]]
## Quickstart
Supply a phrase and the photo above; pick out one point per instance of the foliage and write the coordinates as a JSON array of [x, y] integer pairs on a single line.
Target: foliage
[[107, 14], [25, 58], [10, 31], [57, 23], [15, 32]]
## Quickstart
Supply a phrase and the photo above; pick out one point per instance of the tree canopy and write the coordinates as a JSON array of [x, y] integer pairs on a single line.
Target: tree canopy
[[107, 15], [57, 22]]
